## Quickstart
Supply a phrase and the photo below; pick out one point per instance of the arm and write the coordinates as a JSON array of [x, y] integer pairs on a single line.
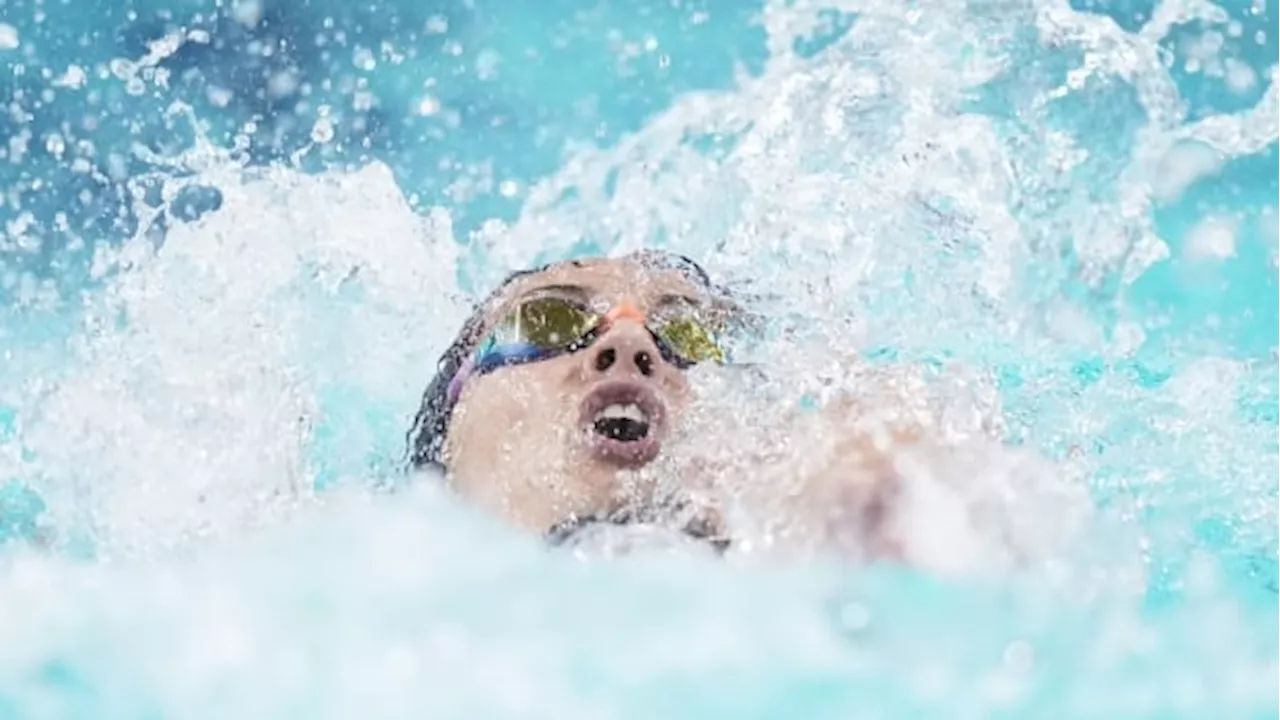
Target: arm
[[887, 474]]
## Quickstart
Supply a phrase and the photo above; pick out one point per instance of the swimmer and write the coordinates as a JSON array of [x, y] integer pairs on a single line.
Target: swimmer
[[572, 383]]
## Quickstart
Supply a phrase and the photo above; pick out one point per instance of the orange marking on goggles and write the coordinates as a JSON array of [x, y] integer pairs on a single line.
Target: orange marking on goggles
[[625, 311]]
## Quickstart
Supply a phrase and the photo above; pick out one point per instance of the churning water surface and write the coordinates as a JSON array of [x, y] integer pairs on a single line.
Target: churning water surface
[[238, 234]]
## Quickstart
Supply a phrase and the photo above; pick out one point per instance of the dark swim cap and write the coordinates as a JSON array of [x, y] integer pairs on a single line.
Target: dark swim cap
[[431, 425]]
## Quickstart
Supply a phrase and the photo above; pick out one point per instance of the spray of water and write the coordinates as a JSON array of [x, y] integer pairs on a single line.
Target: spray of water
[[912, 186]]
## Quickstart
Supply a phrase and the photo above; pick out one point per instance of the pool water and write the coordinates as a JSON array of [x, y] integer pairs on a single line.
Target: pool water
[[238, 234]]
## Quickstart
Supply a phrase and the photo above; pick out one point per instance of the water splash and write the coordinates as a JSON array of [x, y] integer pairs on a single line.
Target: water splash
[[929, 187], [195, 378]]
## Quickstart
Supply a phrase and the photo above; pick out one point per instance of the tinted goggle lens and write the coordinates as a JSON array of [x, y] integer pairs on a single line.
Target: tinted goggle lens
[[553, 324], [546, 323], [690, 339]]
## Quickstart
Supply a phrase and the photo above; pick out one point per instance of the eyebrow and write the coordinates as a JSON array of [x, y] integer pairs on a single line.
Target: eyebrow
[[583, 294], [676, 299], [569, 290]]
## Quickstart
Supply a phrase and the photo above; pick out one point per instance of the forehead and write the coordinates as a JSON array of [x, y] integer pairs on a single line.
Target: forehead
[[612, 278]]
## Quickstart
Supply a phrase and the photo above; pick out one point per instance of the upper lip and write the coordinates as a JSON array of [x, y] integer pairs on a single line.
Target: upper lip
[[624, 391]]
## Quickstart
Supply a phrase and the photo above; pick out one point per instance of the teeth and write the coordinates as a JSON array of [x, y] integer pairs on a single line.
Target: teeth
[[630, 411]]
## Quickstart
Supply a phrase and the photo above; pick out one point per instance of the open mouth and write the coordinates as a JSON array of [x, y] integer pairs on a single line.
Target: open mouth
[[622, 421]]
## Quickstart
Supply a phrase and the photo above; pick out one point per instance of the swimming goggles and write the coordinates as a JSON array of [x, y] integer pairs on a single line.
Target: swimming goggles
[[545, 327]]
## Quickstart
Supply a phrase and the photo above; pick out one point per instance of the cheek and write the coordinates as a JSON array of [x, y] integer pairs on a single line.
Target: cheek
[[677, 391], [508, 408]]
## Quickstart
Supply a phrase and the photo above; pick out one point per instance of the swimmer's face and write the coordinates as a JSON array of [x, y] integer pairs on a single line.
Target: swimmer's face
[[540, 439]]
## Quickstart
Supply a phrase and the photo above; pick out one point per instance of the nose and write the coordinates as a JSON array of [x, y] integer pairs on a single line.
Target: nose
[[625, 347]]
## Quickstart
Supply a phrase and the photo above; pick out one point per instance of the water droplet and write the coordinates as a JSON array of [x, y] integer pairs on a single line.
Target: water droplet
[[363, 59], [322, 131], [428, 106], [54, 145], [1240, 77], [487, 64], [218, 97], [1213, 238], [282, 83], [9, 39], [247, 12], [74, 77], [437, 25]]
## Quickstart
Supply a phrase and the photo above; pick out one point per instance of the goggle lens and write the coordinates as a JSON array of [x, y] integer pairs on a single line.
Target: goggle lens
[[546, 323], [691, 340], [556, 324]]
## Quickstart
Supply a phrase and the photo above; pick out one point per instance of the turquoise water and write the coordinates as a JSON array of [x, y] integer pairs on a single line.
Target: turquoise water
[[237, 235]]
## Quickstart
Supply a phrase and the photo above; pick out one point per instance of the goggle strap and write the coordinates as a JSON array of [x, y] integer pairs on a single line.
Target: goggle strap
[[460, 377]]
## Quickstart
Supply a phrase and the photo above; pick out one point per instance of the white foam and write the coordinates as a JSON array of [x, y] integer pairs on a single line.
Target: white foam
[[191, 397], [195, 416]]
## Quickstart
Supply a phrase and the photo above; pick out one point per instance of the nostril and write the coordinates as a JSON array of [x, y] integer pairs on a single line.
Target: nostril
[[644, 363], [605, 359]]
